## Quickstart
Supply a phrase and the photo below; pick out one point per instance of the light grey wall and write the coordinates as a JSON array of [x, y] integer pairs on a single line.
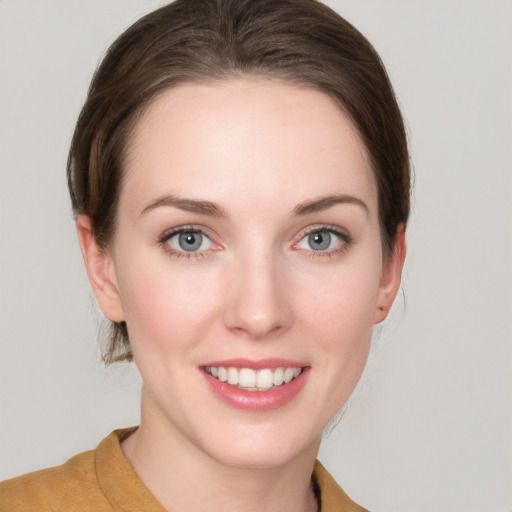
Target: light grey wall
[[430, 428]]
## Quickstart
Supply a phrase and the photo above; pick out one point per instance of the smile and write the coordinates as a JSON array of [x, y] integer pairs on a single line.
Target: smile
[[254, 380]]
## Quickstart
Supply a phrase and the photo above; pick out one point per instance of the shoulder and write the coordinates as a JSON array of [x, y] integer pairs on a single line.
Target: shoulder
[[61, 488], [101, 480], [331, 495]]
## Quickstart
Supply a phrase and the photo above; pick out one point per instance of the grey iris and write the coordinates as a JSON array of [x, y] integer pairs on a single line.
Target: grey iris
[[320, 240], [190, 241]]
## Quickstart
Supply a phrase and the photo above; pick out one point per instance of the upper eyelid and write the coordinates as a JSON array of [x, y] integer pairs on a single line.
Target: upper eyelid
[[337, 230], [169, 233], [323, 227], [344, 238]]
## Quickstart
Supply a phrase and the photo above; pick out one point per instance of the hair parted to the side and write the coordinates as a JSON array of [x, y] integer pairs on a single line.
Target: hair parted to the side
[[302, 42]]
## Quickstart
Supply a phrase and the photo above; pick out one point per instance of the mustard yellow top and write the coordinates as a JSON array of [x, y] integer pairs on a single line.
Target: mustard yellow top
[[102, 480]]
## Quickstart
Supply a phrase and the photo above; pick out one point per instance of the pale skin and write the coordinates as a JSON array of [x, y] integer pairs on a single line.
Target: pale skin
[[255, 167]]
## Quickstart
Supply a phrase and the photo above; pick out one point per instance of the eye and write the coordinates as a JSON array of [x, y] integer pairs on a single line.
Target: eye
[[189, 240], [323, 240]]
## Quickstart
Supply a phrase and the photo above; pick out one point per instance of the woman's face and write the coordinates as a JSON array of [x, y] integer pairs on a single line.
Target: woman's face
[[247, 248]]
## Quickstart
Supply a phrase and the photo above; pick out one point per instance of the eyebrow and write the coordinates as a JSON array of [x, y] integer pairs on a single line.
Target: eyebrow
[[323, 203], [188, 205], [214, 210]]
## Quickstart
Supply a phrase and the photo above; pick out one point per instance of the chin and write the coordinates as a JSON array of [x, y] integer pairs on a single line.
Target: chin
[[262, 447]]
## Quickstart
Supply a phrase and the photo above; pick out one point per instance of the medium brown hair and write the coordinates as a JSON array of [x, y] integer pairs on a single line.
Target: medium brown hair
[[302, 42]]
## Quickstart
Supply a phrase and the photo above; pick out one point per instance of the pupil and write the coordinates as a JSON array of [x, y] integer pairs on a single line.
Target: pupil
[[190, 241], [320, 240]]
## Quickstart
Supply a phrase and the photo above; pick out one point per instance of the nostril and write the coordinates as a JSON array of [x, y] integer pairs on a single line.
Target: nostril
[[257, 326], [257, 305]]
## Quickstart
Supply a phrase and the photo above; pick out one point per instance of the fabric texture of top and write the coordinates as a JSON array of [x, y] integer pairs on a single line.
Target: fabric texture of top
[[103, 480]]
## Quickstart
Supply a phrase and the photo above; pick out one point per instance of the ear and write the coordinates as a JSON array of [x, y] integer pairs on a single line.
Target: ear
[[391, 274], [100, 269]]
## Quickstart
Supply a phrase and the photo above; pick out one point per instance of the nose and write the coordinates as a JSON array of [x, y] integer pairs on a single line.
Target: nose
[[258, 305]]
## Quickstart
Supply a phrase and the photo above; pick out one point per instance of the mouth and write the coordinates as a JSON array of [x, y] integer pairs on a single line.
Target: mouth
[[256, 386], [248, 379]]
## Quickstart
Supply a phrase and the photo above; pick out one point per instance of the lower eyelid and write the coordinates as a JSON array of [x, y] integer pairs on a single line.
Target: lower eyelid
[[344, 241], [173, 250], [343, 237], [184, 254]]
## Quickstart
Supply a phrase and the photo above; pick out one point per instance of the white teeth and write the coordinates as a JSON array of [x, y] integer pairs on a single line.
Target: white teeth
[[264, 379], [288, 375], [278, 376], [232, 376], [254, 380], [247, 378]]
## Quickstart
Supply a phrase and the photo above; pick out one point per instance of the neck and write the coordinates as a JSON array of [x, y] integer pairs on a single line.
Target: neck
[[184, 478]]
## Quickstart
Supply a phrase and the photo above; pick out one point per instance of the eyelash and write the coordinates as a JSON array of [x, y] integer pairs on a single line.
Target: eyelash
[[164, 239], [344, 238]]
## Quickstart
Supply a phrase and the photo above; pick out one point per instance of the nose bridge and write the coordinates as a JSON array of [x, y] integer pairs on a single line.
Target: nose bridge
[[258, 304]]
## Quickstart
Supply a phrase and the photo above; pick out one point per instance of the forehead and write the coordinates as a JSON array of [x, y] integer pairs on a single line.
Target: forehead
[[267, 138]]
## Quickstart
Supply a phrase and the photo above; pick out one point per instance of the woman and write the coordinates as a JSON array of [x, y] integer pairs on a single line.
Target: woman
[[240, 179]]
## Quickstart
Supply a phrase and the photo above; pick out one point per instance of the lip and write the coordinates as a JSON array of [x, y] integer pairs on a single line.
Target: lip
[[257, 365], [257, 401]]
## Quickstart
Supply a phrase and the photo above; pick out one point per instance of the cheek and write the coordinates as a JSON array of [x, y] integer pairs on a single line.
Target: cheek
[[343, 301], [163, 305], [337, 310]]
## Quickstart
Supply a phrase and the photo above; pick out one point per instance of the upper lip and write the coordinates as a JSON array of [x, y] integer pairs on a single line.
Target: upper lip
[[257, 365]]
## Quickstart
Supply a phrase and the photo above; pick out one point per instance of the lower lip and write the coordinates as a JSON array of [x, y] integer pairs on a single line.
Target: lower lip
[[257, 401]]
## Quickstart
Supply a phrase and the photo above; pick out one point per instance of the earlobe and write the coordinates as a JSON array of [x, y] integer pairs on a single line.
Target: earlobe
[[100, 270], [391, 275]]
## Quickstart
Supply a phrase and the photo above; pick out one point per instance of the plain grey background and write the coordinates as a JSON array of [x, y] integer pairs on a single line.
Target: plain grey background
[[430, 427]]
